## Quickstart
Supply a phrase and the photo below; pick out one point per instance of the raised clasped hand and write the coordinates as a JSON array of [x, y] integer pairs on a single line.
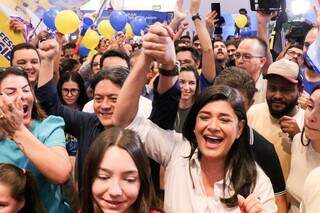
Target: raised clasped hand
[[158, 44]]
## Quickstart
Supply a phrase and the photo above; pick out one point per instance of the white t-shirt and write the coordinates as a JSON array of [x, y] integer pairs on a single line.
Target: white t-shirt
[[145, 107], [303, 160], [311, 193], [260, 119]]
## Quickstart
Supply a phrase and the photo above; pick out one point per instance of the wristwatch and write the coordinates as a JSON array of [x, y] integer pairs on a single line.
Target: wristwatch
[[175, 71], [195, 17]]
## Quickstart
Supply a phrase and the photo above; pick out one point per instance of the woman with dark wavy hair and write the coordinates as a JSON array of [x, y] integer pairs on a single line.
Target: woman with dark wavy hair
[[209, 168], [117, 175], [32, 140]]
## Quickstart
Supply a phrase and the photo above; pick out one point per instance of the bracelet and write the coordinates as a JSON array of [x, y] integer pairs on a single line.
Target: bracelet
[[175, 71], [195, 17]]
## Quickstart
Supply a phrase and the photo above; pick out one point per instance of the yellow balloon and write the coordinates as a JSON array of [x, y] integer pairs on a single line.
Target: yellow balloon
[[241, 21], [67, 22], [105, 29], [129, 32], [91, 39]]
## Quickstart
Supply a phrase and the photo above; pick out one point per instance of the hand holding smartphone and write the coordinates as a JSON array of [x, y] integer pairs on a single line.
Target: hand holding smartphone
[[216, 7]]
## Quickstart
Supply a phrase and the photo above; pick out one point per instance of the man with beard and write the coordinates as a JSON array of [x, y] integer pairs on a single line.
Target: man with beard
[[280, 118], [220, 54]]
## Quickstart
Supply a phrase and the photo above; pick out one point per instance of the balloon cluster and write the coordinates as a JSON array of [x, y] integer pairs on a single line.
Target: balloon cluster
[[66, 21], [119, 22]]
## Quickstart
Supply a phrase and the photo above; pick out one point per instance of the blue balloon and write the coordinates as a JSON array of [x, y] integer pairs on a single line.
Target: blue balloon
[[83, 51], [49, 17], [118, 20], [138, 24]]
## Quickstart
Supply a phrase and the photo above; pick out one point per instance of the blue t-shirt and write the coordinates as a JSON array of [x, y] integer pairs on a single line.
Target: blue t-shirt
[[50, 132]]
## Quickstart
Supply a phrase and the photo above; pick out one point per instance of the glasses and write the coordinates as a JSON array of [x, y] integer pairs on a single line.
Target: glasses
[[246, 56], [73, 92], [293, 54]]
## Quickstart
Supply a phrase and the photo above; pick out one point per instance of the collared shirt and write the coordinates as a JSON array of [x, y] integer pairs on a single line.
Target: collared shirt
[[261, 86], [184, 189]]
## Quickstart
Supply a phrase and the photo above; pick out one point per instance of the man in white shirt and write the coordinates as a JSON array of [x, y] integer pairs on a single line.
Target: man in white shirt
[[251, 55]]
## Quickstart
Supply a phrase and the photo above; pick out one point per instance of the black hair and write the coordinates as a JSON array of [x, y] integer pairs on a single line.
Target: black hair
[[233, 41], [185, 36], [195, 38], [70, 45], [68, 65], [239, 79], [22, 46], [75, 77], [116, 75], [115, 53], [194, 52], [239, 164], [129, 141]]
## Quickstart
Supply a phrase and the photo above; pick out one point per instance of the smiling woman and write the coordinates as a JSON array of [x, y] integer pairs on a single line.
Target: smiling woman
[[125, 186], [32, 141], [305, 151]]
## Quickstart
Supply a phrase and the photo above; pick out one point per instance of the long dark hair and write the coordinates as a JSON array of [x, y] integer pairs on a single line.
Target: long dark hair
[[37, 111], [239, 163], [129, 141], [23, 187], [75, 77]]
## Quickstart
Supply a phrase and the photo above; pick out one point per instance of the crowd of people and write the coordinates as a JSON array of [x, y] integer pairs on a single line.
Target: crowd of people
[[172, 124]]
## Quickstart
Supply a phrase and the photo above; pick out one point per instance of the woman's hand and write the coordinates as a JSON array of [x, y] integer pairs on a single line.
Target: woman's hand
[[158, 44], [251, 204], [11, 114], [211, 20]]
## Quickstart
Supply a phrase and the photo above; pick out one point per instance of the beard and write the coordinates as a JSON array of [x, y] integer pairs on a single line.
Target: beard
[[289, 106]]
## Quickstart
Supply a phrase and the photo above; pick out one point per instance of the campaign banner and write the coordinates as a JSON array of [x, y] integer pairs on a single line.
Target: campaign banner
[[151, 16], [7, 39]]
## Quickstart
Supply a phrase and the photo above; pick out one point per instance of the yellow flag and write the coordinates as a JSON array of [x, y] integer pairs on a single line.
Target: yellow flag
[[7, 40]]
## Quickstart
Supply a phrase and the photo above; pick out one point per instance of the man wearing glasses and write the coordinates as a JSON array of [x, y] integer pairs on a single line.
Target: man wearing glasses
[[251, 56], [294, 53]]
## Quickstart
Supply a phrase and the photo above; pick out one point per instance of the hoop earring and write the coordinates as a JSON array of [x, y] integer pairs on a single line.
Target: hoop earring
[[302, 140]]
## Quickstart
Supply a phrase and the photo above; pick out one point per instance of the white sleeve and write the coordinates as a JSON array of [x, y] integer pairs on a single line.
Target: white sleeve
[[264, 192], [159, 143]]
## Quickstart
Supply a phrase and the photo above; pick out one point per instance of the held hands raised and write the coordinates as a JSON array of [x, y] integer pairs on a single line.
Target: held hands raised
[[158, 45]]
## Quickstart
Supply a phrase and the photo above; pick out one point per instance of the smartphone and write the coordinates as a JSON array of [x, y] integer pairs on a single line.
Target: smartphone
[[216, 7]]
